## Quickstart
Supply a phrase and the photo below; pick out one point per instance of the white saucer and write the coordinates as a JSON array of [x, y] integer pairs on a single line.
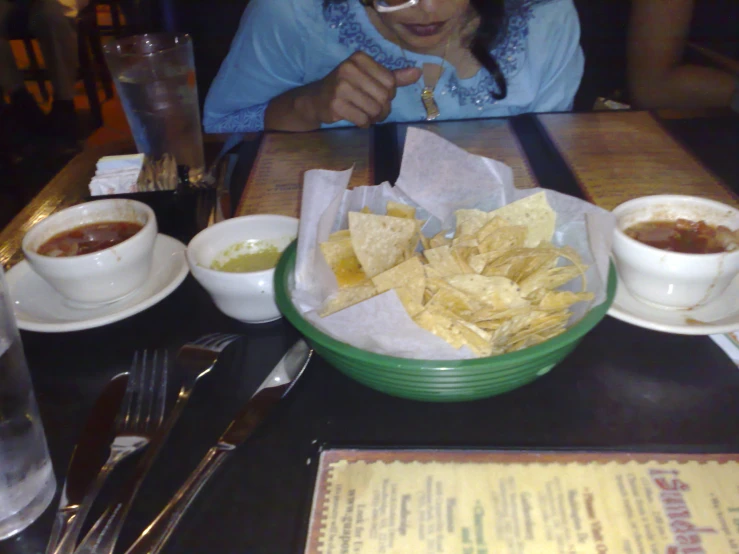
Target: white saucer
[[38, 307], [720, 316]]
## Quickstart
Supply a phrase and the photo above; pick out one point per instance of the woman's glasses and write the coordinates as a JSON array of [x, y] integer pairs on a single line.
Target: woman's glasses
[[393, 5]]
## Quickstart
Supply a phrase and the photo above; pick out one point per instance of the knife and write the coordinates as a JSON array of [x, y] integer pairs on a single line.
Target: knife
[[88, 457], [277, 384]]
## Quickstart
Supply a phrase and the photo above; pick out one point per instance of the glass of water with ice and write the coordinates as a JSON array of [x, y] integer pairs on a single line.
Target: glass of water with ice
[[27, 482], [154, 75]]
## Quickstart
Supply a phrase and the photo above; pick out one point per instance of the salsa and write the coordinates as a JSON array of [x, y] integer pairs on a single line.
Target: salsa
[[686, 236], [264, 256], [90, 238]]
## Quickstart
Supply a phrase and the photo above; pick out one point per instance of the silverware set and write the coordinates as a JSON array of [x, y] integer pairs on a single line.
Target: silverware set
[[140, 425]]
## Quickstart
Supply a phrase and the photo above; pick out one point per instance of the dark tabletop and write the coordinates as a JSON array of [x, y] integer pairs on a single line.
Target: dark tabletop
[[622, 388]]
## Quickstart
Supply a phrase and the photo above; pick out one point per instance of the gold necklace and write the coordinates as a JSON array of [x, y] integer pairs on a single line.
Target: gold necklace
[[427, 93]]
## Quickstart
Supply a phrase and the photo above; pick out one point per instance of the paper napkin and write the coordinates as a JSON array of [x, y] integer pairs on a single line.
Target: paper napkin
[[116, 174]]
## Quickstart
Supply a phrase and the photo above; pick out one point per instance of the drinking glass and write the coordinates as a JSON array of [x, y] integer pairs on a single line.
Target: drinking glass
[[27, 482], [154, 75]]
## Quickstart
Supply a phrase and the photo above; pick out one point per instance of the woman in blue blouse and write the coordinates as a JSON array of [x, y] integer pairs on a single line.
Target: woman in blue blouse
[[297, 65]]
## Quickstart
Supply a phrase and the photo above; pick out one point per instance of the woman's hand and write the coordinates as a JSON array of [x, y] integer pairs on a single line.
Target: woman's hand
[[360, 91]]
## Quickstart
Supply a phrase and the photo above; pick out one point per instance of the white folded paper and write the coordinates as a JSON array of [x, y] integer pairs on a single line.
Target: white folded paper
[[116, 174], [437, 178]]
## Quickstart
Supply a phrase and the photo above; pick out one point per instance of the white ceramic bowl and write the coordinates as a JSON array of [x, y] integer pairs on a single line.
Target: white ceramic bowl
[[99, 277], [673, 279], [248, 297]]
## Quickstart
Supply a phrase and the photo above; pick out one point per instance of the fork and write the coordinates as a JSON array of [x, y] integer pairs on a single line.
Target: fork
[[195, 359], [141, 411]]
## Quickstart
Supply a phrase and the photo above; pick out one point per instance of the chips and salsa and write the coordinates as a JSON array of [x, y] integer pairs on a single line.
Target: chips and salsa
[[491, 285]]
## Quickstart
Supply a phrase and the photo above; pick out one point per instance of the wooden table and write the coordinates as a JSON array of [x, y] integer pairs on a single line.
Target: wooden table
[[623, 388]]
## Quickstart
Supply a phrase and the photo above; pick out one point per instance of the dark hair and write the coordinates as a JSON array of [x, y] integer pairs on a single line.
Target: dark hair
[[490, 29], [492, 18]]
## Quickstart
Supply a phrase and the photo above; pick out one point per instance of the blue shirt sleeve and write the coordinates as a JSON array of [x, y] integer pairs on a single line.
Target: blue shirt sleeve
[[267, 57], [555, 55]]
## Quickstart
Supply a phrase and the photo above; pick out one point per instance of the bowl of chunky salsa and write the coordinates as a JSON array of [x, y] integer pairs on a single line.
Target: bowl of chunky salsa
[[685, 235], [89, 238], [676, 251], [95, 252]]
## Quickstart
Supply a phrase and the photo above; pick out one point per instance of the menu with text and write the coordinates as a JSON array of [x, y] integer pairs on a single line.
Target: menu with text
[[623, 155], [275, 182], [518, 503]]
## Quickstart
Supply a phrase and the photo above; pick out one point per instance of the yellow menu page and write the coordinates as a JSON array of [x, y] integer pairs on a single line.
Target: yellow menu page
[[490, 138], [514, 503], [275, 182], [617, 156]]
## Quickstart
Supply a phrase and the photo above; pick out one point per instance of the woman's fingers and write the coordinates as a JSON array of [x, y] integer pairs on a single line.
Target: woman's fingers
[[403, 78], [362, 91], [406, 76], [346, 110], [382, 75], [367, 88]]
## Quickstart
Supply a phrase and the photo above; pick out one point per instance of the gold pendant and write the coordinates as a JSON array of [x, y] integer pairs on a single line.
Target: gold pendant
[[427, 97]]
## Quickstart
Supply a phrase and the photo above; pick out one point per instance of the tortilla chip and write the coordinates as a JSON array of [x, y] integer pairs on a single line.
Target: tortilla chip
[[498, 292], [454, 331], [465, 241], [439, 239], [340, 257], [455, 301], [535, 328], [347, 296], [535, 213], [396, 209], [504, 238], [469, 222], [492, 224], [443, 260], [562, 299], [431, 273], [479, 262], [381, 242], [548, 279], [488, 314], [409, 281], [339, 235]]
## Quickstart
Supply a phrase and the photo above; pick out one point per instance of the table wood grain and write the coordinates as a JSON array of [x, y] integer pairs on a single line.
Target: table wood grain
[[275, 183], [624, 155]]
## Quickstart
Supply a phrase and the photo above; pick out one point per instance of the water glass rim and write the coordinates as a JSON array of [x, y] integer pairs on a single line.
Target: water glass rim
[[178, 40]]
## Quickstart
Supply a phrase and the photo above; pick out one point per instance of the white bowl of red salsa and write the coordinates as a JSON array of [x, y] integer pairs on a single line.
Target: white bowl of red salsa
[[676, 251], [96, 252]]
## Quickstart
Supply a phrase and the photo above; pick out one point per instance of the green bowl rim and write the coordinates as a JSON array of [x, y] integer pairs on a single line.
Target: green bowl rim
[[286, 264]]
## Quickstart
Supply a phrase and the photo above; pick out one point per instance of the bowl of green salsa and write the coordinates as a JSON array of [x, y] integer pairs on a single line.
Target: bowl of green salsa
[[234, 261]]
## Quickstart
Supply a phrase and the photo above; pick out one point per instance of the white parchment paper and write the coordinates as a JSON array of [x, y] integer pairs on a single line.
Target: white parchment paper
[[437, 178]]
